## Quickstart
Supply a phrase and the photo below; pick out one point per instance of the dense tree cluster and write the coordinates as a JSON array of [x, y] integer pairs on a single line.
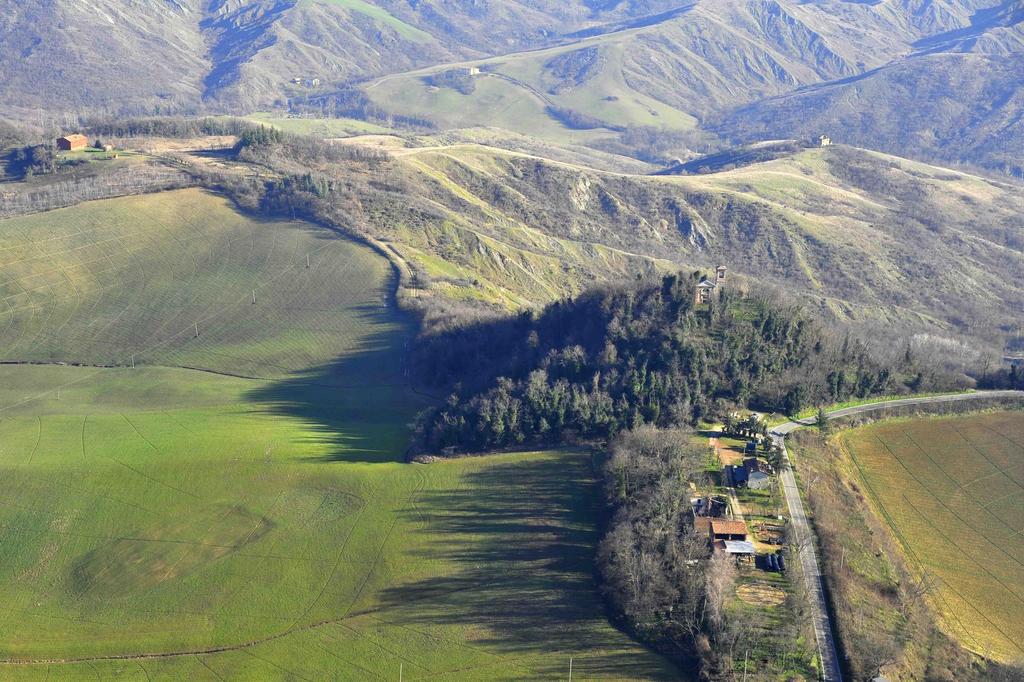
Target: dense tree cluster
[[286, 152], [169, 126], [259, 136], [576, 120], [658, 573], [615, 359], [10, 135], [25, 162], [456, 79], [652, 563], [1007, 378], [353, 103]]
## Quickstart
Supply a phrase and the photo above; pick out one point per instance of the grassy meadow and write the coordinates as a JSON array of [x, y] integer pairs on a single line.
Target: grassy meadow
[[106, 280], [163, 522], [952, 491], [515, 91], [317, 127], [382, 17]]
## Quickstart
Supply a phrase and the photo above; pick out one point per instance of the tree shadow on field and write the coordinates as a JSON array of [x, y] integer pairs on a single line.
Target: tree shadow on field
[[360, 404], [518, 540]]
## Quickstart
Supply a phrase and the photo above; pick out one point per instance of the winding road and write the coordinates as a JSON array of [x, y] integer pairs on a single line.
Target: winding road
[[805, 540]]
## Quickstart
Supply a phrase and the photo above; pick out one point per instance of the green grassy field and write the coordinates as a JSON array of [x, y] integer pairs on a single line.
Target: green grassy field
[[407, 31], [516, 90], [952, 491], [317, 127], [136, 527], [171, 523], [103, 281]]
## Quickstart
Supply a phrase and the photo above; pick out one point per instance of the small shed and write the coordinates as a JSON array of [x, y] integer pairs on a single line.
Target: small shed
[[758, 480], [72, 143], [728, 529], [739, 547]]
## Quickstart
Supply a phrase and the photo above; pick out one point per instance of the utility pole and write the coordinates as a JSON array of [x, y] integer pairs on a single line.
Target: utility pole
[[570, 669], [745, 665], [197, 330], [133, 360], [401, 670], [307, 261], [254, 297]]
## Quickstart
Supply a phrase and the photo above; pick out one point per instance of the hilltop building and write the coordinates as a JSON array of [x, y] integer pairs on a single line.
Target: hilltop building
[[707, 288], [72, 143], [705, 291], [823, 141]]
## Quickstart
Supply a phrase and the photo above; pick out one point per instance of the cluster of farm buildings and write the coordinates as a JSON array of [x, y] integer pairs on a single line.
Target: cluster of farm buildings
[[722, 521]]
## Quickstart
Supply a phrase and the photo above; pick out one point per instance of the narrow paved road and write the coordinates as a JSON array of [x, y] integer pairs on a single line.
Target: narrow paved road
[[805, 541]]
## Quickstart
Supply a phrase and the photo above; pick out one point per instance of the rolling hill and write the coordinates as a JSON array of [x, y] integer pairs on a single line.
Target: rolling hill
[[859, 236], [252, 517], [106, 281], [967, 106], [593, 70]]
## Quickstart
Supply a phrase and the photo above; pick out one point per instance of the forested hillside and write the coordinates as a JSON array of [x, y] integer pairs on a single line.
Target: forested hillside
[[616, 359]]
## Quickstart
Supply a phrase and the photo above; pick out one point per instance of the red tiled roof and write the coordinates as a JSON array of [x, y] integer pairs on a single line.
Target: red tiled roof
[[727, 527]]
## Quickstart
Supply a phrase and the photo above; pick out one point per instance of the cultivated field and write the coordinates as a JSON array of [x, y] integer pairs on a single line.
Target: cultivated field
[[952, 490], [169, 523]]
